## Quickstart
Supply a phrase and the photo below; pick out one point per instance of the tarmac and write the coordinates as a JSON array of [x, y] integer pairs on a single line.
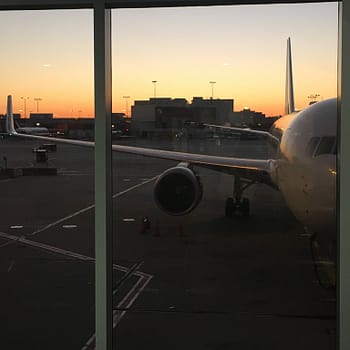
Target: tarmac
[[202, 281]]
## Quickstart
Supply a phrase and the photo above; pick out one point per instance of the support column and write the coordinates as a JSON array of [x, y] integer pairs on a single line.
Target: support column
[[103, 177]]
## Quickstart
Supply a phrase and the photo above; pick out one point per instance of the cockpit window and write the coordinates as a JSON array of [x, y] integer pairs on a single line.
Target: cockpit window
[[311, 146], [327, 145], [321, 145]]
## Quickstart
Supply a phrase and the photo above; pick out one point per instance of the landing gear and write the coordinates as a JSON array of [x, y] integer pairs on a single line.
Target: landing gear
[[241, 208], [237, 204]]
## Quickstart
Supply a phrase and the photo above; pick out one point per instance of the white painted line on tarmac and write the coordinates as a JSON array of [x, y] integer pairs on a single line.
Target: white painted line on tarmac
[[65, 252], [16, 226], [127, 301], [69, 226], [89, 207], [128, 219]]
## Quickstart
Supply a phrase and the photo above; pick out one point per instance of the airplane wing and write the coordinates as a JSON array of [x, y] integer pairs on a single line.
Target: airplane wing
[[256, 170], [245, 131]]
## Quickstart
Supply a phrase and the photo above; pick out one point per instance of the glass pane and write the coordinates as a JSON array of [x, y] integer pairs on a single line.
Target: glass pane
[[47, 226], [238, 269]]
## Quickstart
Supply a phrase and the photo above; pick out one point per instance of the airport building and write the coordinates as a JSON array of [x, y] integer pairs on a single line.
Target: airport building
[[164, 116], [248, 118]]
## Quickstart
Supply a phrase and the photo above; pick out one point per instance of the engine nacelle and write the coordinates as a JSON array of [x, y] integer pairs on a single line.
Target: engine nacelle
[[178, 190]]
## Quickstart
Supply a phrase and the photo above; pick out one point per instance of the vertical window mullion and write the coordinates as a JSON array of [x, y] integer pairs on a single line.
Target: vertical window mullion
[[103, 177]]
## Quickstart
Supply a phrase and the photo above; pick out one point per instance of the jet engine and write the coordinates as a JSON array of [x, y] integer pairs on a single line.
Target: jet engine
[[178, 190]]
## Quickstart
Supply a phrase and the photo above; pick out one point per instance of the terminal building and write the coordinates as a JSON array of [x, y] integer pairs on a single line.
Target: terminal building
[[248, 118], [164, 116]]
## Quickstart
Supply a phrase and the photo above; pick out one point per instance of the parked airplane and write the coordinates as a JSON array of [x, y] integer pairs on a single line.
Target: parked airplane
[[35, 130], [304, 171], [42, 131]]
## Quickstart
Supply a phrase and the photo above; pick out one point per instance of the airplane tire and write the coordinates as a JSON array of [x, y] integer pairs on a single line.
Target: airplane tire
[[229, 207]]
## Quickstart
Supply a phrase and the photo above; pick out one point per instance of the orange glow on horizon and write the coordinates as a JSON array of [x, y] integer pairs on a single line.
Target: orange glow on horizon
[[86, 109], [57, 64]]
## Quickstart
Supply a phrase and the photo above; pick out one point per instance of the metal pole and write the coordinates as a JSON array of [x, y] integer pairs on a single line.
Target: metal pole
[[103, 177], [212, 88], [154, 88], [25, 105], [37, 99]]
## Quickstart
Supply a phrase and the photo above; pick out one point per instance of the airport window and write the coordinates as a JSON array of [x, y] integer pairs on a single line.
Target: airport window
[[47, 187], [236, 268], [234, 231]]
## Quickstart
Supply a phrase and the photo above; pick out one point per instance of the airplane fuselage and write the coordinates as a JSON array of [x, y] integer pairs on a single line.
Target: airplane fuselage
[[305, 170]]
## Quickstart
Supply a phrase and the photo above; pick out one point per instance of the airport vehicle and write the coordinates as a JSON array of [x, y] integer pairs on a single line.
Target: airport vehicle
[[303, 170]]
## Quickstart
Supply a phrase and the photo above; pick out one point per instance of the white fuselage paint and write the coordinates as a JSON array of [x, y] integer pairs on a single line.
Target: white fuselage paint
[[307, 182]]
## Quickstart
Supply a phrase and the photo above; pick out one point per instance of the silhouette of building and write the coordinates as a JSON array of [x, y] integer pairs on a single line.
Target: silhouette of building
[[248, 118], [165, 116]]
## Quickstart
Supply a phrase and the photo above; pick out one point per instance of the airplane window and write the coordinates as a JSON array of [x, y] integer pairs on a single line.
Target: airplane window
[[326, 146], [310, 149]]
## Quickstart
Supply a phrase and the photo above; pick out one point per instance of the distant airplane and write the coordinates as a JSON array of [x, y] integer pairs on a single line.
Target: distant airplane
[[42, 131], [304, 171]]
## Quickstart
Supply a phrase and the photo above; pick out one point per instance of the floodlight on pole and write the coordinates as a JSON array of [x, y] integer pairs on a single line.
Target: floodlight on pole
[[25, 105], [154, 88], [37, 99], [212, 88]]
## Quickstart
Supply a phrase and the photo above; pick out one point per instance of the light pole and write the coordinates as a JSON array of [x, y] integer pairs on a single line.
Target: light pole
[[212, 88], [25, 105], [37, 99], [126, 105], [154, 88]]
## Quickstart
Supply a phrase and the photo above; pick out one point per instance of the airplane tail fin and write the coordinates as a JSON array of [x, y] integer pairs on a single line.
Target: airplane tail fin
[[289, 93], [10, 126]]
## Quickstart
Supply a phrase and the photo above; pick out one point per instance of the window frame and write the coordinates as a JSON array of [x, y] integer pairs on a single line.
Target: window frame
[[103, 170]]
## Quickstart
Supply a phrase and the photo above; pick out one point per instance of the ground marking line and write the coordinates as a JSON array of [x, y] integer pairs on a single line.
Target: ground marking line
[[127, 275], [90, 207], [134, 292], [119, 315], [66, 253]]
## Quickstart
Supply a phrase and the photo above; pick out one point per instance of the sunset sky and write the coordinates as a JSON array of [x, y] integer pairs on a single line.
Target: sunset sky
[[49, 55]]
